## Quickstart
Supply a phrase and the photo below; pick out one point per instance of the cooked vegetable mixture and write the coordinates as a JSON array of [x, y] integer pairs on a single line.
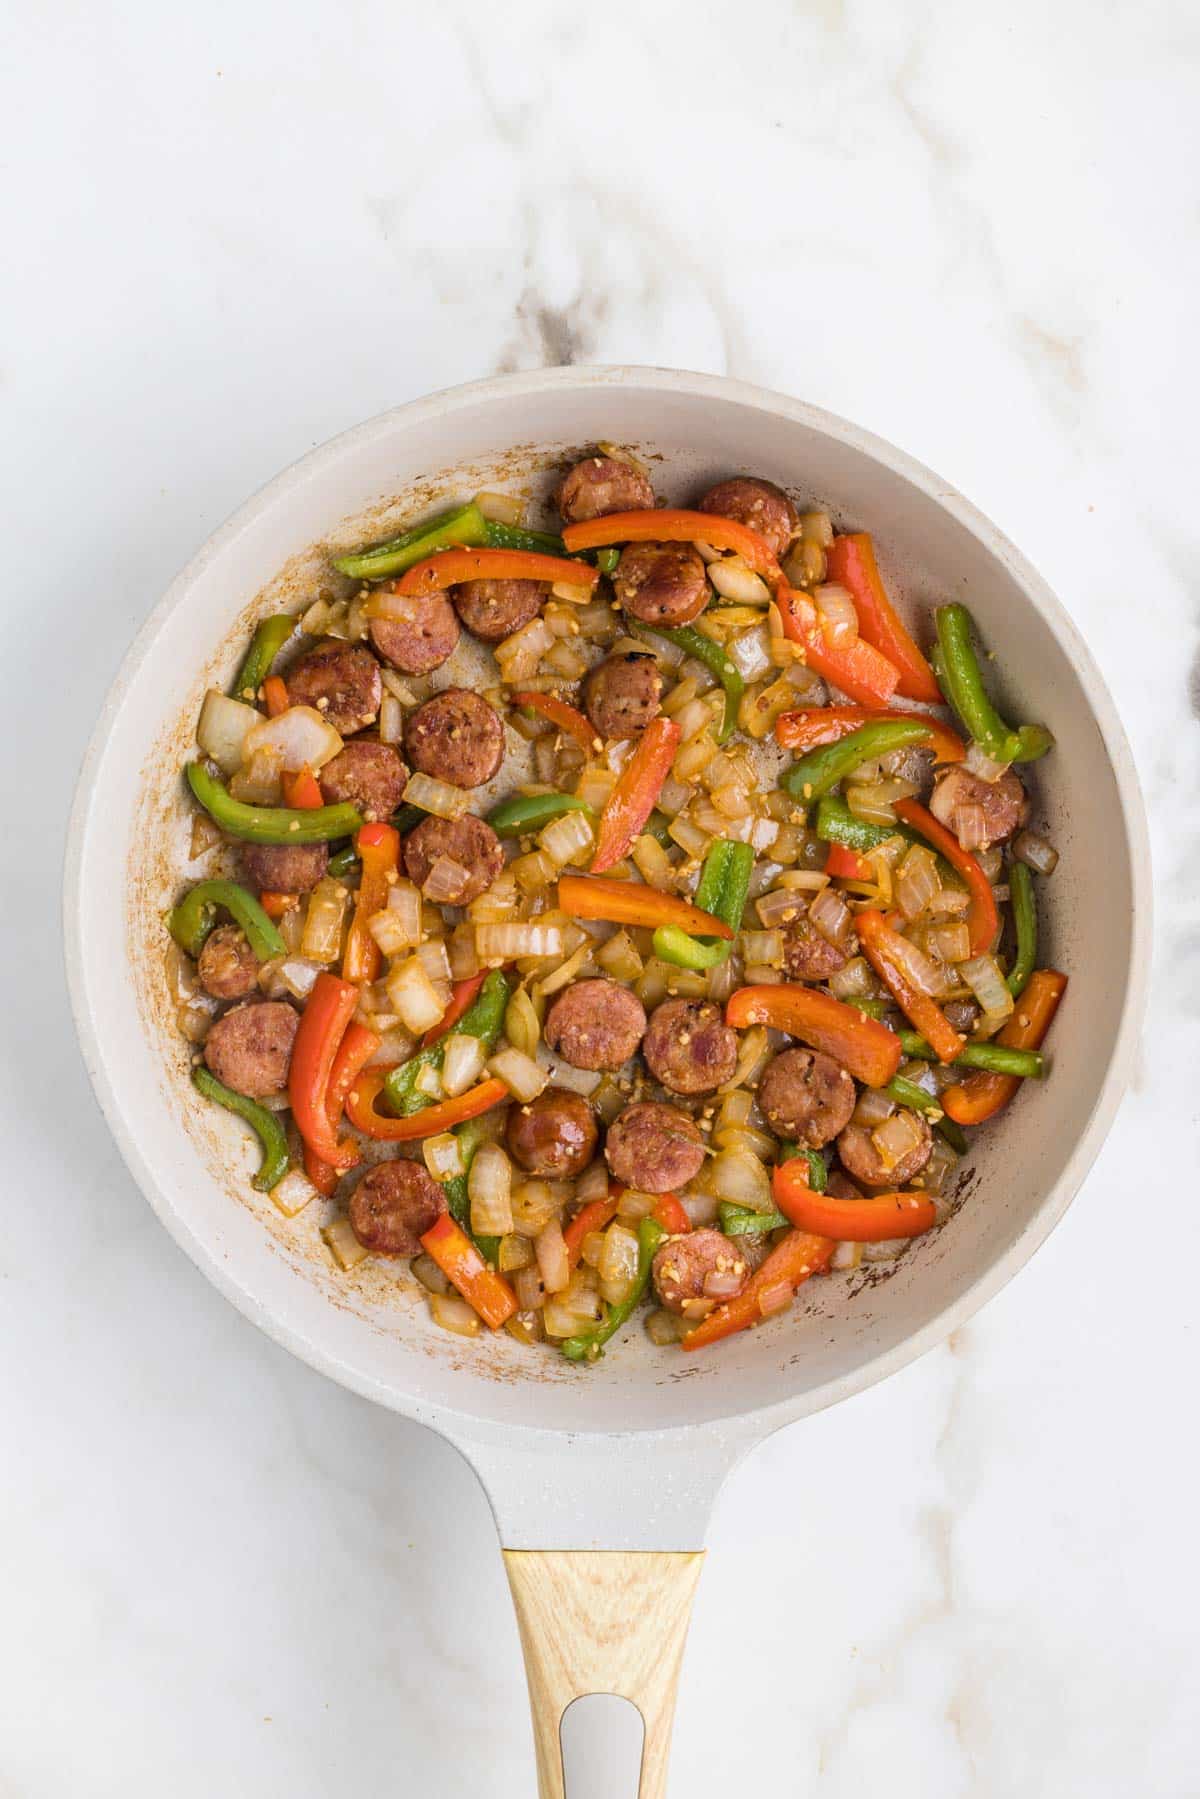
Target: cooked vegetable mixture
[[702, 1000]]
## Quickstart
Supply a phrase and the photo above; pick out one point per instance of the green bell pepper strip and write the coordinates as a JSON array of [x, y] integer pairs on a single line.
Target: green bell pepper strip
[[702, 649], [516, 537], [405, 818], [275, 1159], [835, 823], [464, 527], [737, 1222], [818, 1174], [658, 826], [814, 775], [997, 1058], [270, 635], [196, 914], [523, 812], [875, 1008], [1024, 911], [483, 1019], [960, 678], [269, 824], [607, 560], [724, 884], [907, 1093], [344, 862], [588, 1346], [458, 1199]]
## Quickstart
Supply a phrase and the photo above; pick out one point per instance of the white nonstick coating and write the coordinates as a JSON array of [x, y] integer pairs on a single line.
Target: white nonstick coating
[[662, 1424]]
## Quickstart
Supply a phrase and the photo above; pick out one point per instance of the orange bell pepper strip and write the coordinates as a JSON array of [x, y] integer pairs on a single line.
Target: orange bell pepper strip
[[327, 1012], [567, 718], [857, 668], [275, 696], [459, 1260], [981, 1095], [629, 902], [462, 998], [360, 1109], [638, 786], [670, 1214], [871, 1220], [276, 904], [850, 562], [983, 920], [354, 1052], [674, 524], [301, 791], [883, 948], [592, 1217], [449, 567], [863, 1046], [847, 865], [379, 851], [801, 1254], [812, 726]]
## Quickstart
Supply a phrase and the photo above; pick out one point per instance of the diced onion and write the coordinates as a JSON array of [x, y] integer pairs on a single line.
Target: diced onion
[[489, 1186], [565, 973], [293, 1193], [520, 655], [515, 1252], [398, 926], [619, 957], [873, 1107], [414, 996], [916, 880], [740, 1178], [835, 610], [752, 1054], [775, 1298], [299, 738], [443, 1156], [983, 976], [778, 908], [505, 942], [398, 688], [1037, 852], [846, 1256], [750, 652], [572, 594], [257, 782], [391, 719], [978, 762], [520, 1074], [343, 1245], [551, 1251], [896, 1136], [763, 946], [430, 1275], [435, 796], [567, 839], [533, 1204], [223, 728], [434, 960], [395, 1046], [462, 1063], [920, 969], [322, 937], [618, 1263], [429, 1081], [634, 1204], [454, 1314], [296, 976], [970, 826], [830, 915], [853, 981], [733, 580], [952, 942], [665, 1328], [874, 800], [502, 508], [521, 1023]]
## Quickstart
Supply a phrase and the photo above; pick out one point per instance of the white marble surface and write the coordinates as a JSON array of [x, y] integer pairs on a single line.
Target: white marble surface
[[241, 228]]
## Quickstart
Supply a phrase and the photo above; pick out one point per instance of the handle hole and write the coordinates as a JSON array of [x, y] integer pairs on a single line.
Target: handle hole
[[602, 1736]]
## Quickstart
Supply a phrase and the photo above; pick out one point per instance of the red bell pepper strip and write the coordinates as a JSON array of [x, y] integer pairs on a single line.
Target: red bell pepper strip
[[670, 1214], [459, 1260], [354, 1052], [871, 1220], [812, 726], [857, 668], [847, 865], [301, 791], [850, 561], [275, 696], [462, 998], [674, 524], [327, 1012], [449, 567], [276, 904], [360, 1109], [379, 851], [790, 1263], [638, 786], [567, 718], [592, 1217], [884, 950], [983, 920], [863, 1046], [982, 1095], [628, 902]]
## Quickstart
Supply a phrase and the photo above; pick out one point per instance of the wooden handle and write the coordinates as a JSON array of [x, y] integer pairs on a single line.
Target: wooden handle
[[602, 1621]]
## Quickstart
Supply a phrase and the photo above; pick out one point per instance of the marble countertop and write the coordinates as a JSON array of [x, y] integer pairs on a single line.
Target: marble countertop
[[239, 229]]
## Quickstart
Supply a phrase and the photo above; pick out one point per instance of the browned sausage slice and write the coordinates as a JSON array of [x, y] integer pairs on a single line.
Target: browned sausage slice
[[595, 1024], [468, 842], [284, 867], [599, 485], [493, 610], [342, 681], [419, 633], [227, 967], [1004, 803], [456, 737], [661, 583], [759, 504], [689, 1047], [368, 775], [250, 1048], [554, 1136], [687, 1267], [807, 956], [806, 1096], [654, 1148], [622, 693], [392, 1207], [862, 1161]]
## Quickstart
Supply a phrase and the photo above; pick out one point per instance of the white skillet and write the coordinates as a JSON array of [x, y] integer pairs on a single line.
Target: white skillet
[[601, 1479]]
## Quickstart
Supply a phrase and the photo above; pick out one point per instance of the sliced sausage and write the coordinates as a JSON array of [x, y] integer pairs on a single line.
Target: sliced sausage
[[758, 504], [661, 583], [839, 1187], [599, 485], [368, 775], [456, 737], [554, 1136], [622, 693], [595, 1024], [862, 1161], [467, 842], [419, 633], [654, 1148], [250, 1048], [963, 1014], [495, 609], [1004, 803], [685, 1267], [689, 1047], [807, 956], [343, 682], [285, 867], [806, 1096], [228, 967], [392, 1207]]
